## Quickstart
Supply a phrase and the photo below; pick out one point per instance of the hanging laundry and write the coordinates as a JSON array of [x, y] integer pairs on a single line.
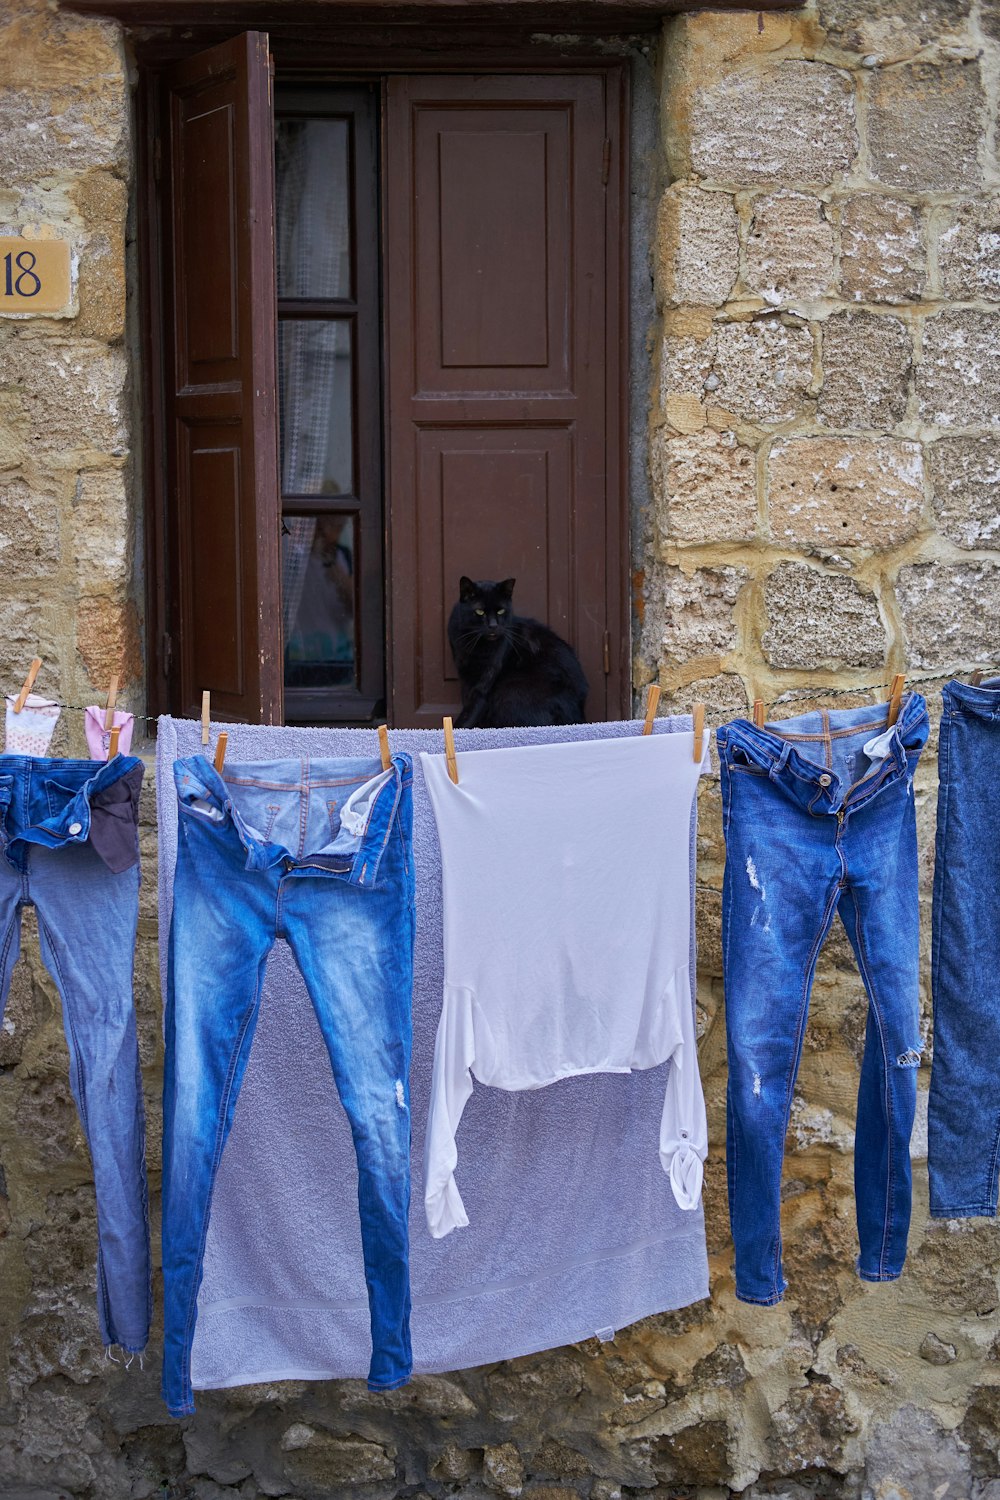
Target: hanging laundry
[[819, 818], [567, 906], [575, 1229], [69, 847], [99, 738], [314, 852], [30, 731], [964, 1104]]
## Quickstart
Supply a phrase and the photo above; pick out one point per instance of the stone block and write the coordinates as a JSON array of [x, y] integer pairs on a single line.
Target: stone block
[[951, 614], [850, 492], [107, 639], [820, 620], [926, 126], [76, 128], [61, 49], [690, 617], [102, 289], [882, 252], [958, 378], [810, 135], [965, 475], [789, 251], [103, 540], [697, 246], [503, 1471], [867, 360], [316, 1462], [764, 369], [969, 253], [70, 394], [29, 529], [893, 31], [704, 487]]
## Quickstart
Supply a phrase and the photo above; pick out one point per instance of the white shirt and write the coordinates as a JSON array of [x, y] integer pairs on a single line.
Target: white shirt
[[567, 935]]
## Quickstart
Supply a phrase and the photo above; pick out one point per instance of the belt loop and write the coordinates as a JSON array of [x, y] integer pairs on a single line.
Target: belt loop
[[779, 765]]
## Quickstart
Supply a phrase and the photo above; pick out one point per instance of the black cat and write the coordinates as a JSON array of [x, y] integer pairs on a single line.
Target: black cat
[[513, 671]]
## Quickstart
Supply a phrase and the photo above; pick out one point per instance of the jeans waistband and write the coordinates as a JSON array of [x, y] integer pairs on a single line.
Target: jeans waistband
[[52, 802], [983, 701], [779, 751], [366, 817]]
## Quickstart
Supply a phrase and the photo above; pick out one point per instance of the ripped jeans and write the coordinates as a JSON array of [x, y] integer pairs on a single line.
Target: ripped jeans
[[317, 852], [819, 818]]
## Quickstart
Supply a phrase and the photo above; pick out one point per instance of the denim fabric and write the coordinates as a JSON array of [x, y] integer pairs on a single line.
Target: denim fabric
[[819, 818], [317, 852], [963, 1123], [69, 846]]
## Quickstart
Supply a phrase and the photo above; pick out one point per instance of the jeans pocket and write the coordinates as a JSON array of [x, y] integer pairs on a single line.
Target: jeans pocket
[[739, 759]]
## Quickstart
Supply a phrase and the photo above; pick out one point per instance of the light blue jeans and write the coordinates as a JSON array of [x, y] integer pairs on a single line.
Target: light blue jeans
[[69, 848], [963, 1125], [317, 852], [819, 818]]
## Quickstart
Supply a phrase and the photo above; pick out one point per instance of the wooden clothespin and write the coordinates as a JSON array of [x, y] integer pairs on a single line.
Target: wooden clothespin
[[698, 723], [109, 712], [652, 703], [383, 747], [206, 704], [896, 697], [113, 741], [449, 749], [29, 683], [977, 677], [758, 713], [220, 751]]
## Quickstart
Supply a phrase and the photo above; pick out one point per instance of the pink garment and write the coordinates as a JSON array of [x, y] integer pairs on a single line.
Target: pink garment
[[29, 732], [98, 739]]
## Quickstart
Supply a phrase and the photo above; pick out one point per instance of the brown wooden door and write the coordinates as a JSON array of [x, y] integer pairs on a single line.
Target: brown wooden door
[[223, 508], [503, 335]]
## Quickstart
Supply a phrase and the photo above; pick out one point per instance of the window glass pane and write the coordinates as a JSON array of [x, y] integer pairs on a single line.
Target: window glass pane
[[318, 556], [313, 208], [314, 375]]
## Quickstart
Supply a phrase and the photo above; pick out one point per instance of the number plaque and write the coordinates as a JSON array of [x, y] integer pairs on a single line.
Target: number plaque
[[34, 276]]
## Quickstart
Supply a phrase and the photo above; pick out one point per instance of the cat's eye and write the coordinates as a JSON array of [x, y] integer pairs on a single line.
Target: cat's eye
[[480, 611], [501, 611]]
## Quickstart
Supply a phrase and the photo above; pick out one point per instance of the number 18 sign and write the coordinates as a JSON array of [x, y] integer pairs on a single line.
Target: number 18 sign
[[34, 276]]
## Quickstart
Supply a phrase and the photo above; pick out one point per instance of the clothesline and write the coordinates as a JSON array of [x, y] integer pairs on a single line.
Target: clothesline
[[785, 697]]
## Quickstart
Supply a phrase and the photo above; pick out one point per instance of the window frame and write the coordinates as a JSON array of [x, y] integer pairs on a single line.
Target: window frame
[[363, 55], [360, 105]]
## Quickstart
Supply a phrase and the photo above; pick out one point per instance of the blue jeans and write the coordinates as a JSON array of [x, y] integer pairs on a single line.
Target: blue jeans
[[963, 1123], [317, 852], [69, 847], [819, 818]]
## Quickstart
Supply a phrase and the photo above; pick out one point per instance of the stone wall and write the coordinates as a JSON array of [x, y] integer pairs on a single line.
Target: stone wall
[[825, 464]]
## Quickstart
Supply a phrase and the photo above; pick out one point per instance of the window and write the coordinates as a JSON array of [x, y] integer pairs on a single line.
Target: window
[[463, 233], [329, 404]]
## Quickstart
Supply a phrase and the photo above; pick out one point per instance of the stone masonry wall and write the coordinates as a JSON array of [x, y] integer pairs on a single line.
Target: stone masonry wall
[[825, 462]]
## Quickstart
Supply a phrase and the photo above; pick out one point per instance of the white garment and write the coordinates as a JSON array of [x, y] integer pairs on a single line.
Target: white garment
[[567, 929]]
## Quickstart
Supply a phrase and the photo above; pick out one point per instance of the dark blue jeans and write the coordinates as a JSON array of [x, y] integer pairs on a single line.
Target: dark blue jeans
[[317, 852], [819, 818], [69, 847], [963, 1124]]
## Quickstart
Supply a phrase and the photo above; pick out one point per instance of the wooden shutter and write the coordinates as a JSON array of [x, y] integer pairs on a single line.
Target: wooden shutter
[[223, 505], [503, 223]]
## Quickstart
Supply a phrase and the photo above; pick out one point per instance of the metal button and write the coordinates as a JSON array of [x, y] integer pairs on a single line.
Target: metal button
[[825, 780], [76, 828]]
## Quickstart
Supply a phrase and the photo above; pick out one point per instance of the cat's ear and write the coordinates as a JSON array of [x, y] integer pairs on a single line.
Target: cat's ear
[[507, 587], [466, 589]]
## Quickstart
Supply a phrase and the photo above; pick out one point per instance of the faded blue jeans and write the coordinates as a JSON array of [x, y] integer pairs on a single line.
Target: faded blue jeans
[[69, 847], [317, 852], [963, 1124], [819, 818]]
